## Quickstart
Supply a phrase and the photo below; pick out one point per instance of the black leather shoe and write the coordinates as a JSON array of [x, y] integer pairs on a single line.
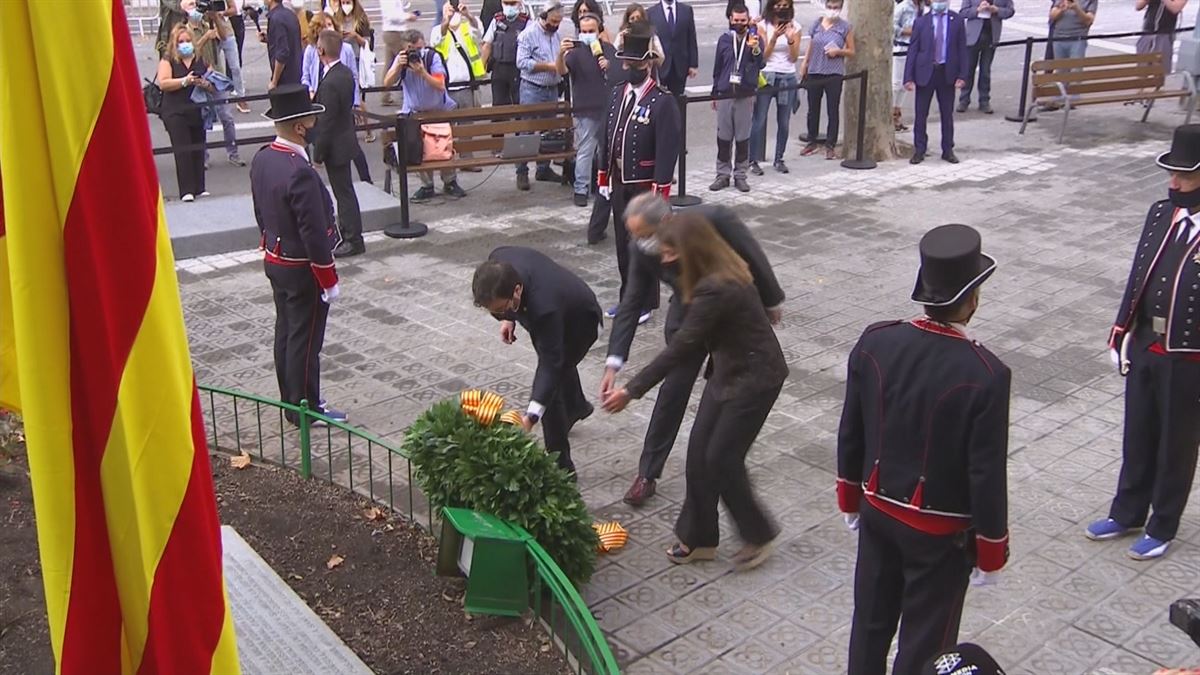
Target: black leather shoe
[[547, 176], [424, 194], [349, 248], [950, 157], [986, 108], [453, 189], [580, 199], [523, 182], [917, 158]]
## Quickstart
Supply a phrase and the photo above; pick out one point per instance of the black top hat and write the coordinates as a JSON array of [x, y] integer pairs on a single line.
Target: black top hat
[[289, 101], [965, 659], [636, 45], [1184, 154], [951, 265]]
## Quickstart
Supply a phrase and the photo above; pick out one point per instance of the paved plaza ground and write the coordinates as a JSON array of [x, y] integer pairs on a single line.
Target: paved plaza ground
[[1061, 219]]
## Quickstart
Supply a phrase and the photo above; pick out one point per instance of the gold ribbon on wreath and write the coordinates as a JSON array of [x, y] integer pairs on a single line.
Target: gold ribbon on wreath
[[484, 407], [612, 536]]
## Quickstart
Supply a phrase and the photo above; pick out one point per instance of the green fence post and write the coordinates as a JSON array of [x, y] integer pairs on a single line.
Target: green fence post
[[305, 442]]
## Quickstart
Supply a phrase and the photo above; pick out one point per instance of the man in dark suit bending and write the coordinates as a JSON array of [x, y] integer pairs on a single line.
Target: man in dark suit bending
[[336, 144], [643, 216], [519, 285], [675, 25], [936, 65]]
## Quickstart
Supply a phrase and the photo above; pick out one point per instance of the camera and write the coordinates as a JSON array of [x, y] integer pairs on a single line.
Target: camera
[[205, 6], [414, 56]]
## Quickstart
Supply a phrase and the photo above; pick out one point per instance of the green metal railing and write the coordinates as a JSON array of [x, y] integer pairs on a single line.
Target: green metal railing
[[298, 429]]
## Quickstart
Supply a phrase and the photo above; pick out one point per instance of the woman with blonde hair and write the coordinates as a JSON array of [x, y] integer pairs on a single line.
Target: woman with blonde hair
[[179, 70], [725, 318]]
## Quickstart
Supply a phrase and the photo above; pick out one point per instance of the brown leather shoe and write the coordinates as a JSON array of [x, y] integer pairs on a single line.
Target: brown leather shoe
[[641, 490]]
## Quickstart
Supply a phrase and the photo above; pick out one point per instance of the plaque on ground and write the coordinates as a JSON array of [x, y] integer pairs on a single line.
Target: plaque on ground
[[277, 633]]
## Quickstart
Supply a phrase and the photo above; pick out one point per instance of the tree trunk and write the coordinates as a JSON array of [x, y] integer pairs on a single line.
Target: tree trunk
[[872, 20]]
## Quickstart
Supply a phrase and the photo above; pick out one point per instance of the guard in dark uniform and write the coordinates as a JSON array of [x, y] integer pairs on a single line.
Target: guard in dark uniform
[[922, 456], [641, 143], [500, 45], [1156, 345], [295, 216]]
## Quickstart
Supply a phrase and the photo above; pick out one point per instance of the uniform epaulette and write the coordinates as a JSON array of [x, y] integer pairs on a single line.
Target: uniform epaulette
[[883, 324]]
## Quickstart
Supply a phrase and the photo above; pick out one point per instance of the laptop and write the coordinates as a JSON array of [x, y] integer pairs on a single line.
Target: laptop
[[518, 147]]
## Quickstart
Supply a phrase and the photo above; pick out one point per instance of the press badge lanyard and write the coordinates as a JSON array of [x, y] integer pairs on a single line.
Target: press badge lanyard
[[736, 76]]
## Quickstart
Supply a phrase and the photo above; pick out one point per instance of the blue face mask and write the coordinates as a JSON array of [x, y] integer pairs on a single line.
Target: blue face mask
[[588, 38], [940, 7], [511, 11], [195, 16], [186, 49]]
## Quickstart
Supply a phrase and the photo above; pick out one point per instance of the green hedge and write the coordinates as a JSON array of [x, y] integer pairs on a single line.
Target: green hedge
[[503, 471]]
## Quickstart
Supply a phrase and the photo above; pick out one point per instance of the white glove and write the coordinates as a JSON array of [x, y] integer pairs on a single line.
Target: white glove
[[851, 521], [604, 191], [981, 578], [1116, 357], [330, 294]]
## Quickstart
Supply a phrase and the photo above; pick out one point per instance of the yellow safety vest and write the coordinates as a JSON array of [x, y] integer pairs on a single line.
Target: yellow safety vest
[[474, 59]]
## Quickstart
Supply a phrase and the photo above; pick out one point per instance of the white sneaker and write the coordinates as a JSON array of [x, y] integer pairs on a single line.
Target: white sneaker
[[206, 193], [645, 317], [187, 198]]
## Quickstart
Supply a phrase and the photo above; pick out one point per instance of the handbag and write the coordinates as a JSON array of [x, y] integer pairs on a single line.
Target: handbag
[[152, 96], [437, 142], [366, 68], [554, 140]]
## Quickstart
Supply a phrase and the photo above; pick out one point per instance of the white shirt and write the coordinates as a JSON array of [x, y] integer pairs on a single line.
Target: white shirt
[[1182, 214], [395, 14], [298, 149], [458, 70], [780, 60]]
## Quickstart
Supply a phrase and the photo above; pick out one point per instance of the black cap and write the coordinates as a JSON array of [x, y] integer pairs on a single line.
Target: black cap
[[965, 659], [289, 101], [951, 265], [1184, 154]]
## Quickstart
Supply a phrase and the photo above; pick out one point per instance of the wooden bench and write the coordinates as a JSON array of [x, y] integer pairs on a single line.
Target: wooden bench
[[1095, 80], [480, 131]]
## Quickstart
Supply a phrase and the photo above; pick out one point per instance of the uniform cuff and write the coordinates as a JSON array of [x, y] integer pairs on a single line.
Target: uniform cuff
[[601, 179], [326, 275], [536, 409], [663, 191], [848, 495], [1114, 336], [614, 362], [991, 554]]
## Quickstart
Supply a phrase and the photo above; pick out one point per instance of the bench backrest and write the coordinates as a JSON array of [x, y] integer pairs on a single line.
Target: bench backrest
[[1096, 74], [483, 129]]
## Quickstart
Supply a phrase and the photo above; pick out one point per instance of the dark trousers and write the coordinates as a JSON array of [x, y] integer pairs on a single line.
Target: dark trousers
[[1162, 432], [669, 409], [185, 130], [598, 222], [569, 403], [676, 83], [349, 214], [716, 470], [902, 572], [300, 317], [943, 88], [829, 87], [360, 164], [238, 23], [506, 84], [979, 56], [622, 193]]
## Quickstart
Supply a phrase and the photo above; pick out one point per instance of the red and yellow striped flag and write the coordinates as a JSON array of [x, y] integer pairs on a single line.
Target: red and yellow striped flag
[[94, 355]]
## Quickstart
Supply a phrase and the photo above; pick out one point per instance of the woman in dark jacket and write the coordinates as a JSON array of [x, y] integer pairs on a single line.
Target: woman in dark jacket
[[726, 319]]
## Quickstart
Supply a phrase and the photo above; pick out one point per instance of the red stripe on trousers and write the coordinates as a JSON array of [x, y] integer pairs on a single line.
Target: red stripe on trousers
[[188, 576], [110, 257]]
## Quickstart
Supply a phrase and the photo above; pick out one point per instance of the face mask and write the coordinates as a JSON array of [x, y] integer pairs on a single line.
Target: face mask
[[588, 38], [186, 49], [940, 7], [195, 16], [738, 28], [832, 13], [784, 15], [347, 9], [455, 21], [638, 75], [649, 245], [302, 131], [511, 12], [1185, 200]]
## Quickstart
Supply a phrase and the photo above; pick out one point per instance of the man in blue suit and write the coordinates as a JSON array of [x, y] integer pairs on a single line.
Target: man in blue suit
[[675, 25], [983, 34], [936, 65]]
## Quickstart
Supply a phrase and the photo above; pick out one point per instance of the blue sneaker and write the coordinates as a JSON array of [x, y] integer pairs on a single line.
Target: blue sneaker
[[1105, 529], [335, 415], [1148, 548], [611, 312]]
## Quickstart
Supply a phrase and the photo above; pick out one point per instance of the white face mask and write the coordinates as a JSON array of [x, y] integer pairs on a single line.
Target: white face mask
[[456, 20], [649, 245], [347, 8], [832, 13]]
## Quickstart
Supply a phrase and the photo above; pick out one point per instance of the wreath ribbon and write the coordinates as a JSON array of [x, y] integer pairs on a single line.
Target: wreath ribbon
[[485, 406]]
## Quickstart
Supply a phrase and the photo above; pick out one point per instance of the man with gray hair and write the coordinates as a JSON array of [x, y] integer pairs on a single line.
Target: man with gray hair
[[643, 215]]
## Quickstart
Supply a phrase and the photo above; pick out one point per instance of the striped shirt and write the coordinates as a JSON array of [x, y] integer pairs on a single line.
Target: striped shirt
[[820, 63], [535, 45]]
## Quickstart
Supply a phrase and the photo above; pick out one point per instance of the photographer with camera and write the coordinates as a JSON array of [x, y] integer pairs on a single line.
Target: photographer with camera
[[422, 77]]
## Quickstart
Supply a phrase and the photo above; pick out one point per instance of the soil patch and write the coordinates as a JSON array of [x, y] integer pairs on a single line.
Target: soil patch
[[382, 599]]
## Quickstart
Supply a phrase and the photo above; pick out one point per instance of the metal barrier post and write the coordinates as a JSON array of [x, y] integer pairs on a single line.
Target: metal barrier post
[[405, 229], [683, 198], [860, 162], [1020, 116], [305, 441]]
